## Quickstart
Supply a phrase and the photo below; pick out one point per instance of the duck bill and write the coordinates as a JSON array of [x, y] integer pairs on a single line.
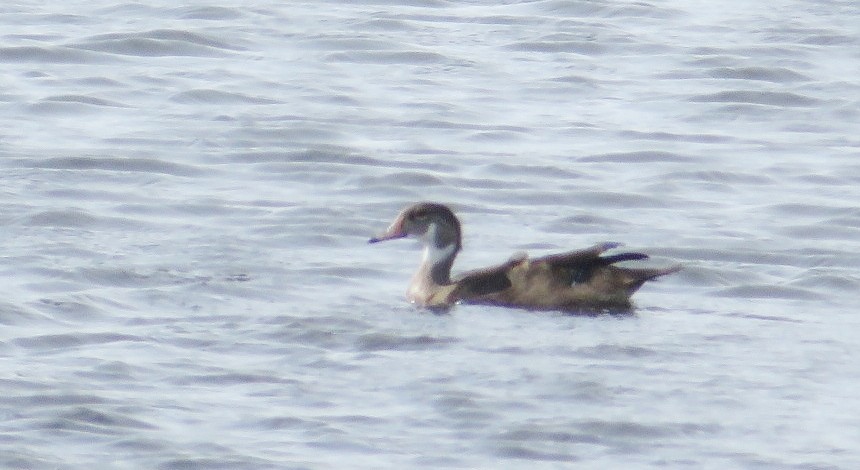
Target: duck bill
[[394, 232]]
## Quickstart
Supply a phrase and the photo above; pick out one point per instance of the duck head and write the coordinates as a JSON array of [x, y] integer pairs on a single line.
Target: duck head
[[434, 224], [438, 229]]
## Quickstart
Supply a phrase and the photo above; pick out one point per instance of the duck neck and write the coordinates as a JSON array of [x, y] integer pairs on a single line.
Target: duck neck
[[437, 262]]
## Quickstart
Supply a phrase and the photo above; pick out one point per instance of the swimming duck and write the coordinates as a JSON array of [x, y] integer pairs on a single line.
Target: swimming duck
[[583, 280]]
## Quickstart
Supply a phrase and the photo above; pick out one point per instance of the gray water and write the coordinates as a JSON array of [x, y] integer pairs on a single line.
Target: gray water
[[187, 192]]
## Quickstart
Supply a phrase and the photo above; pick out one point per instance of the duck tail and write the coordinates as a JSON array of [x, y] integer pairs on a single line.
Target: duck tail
[[638, 276], [657, 272], [607, 260]]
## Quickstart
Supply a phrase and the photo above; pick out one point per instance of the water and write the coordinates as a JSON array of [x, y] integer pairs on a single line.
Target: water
[[187, 192]]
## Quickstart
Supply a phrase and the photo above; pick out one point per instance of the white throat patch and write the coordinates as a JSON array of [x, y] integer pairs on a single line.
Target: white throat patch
[[432, 253]]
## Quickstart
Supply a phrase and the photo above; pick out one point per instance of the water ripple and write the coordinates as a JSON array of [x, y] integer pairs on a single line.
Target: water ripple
[[770, 98], [383, 341], [768, 74], [73, 340], [219, 97], [145, 165], [157, 43], [48, 54]]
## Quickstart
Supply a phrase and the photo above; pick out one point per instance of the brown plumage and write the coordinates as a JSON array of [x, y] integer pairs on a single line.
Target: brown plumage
[[583, 280]]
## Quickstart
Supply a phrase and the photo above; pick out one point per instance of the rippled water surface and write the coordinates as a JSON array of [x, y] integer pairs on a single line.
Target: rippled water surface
[[187, 191]]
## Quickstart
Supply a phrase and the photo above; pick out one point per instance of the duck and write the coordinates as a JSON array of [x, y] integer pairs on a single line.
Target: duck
[[585, 280]]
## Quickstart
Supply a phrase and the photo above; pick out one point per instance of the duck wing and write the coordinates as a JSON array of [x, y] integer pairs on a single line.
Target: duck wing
[[481, 282], [585, 266], [578, 265], [589, 269], [589, 258]]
